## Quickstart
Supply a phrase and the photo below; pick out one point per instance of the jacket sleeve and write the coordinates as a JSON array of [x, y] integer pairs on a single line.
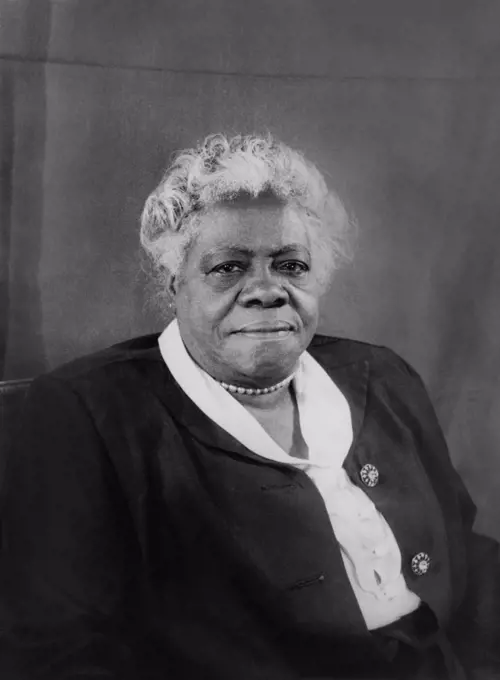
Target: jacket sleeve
[[68, 555], [475, 626]]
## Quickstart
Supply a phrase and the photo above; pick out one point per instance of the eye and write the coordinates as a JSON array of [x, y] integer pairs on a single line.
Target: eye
[[228, 268], [294, 267]]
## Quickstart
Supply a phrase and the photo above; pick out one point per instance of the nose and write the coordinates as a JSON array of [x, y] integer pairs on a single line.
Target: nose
[[263, 289]]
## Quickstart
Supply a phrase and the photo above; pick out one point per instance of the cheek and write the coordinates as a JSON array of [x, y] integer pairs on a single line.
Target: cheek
[[309, 314], [207, 308], [311, 321], [308, 304]]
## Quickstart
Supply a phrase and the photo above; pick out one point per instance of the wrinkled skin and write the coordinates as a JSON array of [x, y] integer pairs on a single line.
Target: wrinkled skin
[[247, 298]]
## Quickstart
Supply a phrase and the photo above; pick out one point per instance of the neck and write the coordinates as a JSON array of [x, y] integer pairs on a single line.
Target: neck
[[265, 402], [267, 395], [256, 391]]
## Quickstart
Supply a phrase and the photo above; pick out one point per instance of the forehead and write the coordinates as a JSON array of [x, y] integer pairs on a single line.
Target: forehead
[[254, 224]]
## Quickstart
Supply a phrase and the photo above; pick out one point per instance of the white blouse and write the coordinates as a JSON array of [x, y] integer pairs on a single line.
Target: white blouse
[[369, 550]]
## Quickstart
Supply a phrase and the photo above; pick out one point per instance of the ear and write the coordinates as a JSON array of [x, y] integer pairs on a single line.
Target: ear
[[172, 286]]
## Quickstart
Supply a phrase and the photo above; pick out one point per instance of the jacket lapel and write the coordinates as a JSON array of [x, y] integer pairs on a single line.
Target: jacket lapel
[[349, 373]]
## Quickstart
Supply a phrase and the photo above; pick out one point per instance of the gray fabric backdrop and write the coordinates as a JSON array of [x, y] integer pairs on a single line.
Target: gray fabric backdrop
[[397, 101]]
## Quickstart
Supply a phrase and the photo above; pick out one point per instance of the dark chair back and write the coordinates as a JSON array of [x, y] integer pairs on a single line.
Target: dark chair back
[[12, 395]]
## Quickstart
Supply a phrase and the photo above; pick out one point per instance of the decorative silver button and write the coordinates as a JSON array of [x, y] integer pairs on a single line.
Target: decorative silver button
[[369, 475], [420, 564]]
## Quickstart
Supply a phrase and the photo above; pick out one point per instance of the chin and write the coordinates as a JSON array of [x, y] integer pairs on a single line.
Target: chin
[[265, 358], [269, 367]]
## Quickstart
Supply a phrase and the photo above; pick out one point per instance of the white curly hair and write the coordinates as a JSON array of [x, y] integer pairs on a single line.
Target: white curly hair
[[221, 169]]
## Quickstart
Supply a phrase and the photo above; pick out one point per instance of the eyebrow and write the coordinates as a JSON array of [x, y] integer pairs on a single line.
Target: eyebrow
[[290, 247]]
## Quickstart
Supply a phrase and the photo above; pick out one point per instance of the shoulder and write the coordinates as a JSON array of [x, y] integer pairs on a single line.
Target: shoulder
[[123, 368], [118, 356], [111, 362], [381, 361]]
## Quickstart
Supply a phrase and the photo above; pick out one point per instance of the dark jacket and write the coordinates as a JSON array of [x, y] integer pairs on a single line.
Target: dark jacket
[[143, 541]]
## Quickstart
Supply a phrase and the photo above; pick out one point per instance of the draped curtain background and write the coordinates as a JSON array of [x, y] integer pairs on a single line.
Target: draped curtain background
[[397, 101]]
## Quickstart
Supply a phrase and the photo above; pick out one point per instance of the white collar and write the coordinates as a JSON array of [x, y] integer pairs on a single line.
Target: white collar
[[325, 417]]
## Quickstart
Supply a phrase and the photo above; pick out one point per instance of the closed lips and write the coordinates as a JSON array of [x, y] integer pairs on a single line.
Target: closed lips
[[265, 328]]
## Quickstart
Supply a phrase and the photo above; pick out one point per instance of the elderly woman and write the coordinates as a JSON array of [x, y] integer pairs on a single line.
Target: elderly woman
[[239, 498]]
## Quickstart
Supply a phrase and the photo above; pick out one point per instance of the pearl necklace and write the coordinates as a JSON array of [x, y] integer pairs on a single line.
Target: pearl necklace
[[235, 389]]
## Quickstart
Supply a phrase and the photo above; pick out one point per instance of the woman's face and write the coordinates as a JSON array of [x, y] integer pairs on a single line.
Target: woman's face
[[247, 298]]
